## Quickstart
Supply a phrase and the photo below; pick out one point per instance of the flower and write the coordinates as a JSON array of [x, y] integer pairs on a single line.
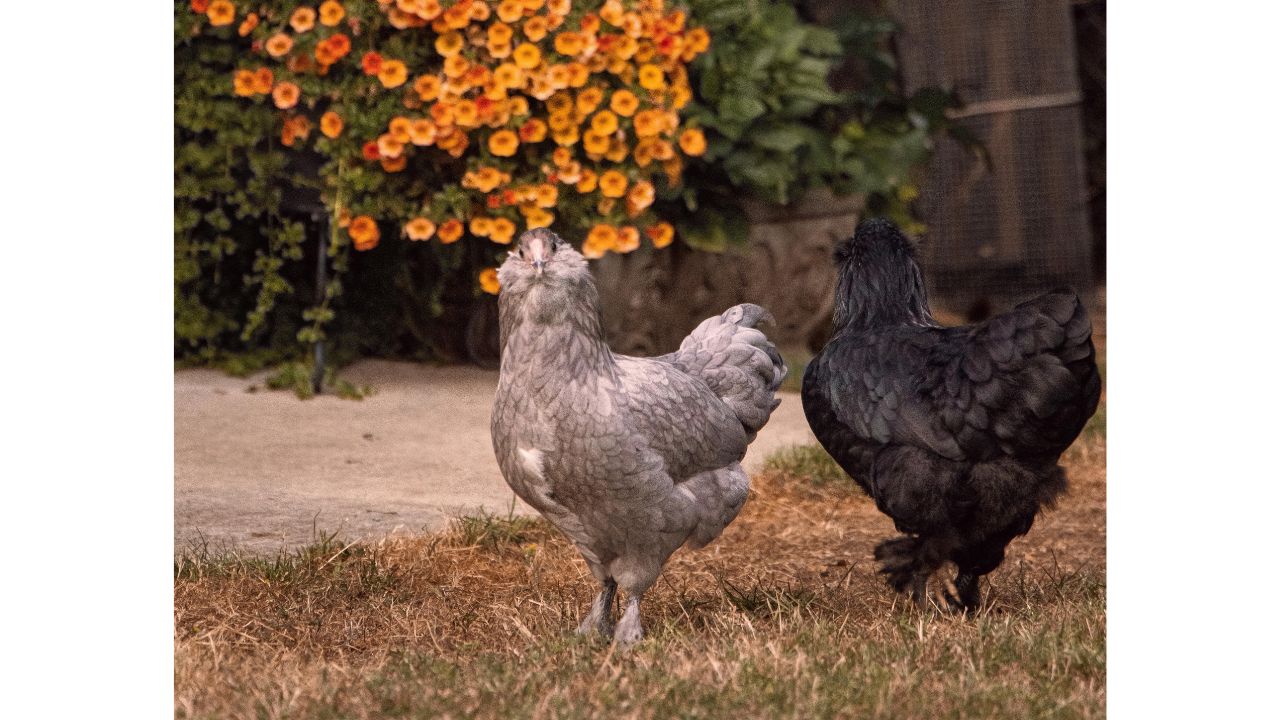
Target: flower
[[395, 164], [243, 83], [611, 12], [587, 182], [364, 232], [545, 195], [628, 240], [624, 103], [595, 144], [420, 228], [600, 240], [604, 122], [279, 44], [370, 150], [640, 197], [693, 142], [535, 28], [427, 87], [422, 132], [392, 74], [331, 124], [221, 12], [399, 128], [449, 44], [503, 143], [199, 6], [527, 56], [488, 279], [502, 231], [285, 95], [389, 146], [331, 13], [661, 234], [570, 43], [613, 184], [450, 231], [371, 62], [510, 10], [480, 226], [250, 22], [648, 123], [302, 19], [538, 218], [697, 40], [533, 130], [651, 77]]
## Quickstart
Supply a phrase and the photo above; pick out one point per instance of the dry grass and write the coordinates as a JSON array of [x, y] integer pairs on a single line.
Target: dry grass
[[782, 617]]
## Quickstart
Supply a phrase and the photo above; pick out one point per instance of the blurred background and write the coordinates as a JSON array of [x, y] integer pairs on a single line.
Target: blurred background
[[979, 127]]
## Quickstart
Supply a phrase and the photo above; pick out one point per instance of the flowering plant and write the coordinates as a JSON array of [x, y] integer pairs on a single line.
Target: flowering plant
[[478, 118]]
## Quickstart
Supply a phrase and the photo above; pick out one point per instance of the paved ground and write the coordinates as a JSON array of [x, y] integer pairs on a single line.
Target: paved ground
[[260, 470]]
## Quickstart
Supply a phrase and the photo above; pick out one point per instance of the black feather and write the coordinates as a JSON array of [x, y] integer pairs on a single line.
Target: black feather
[[956, 432]]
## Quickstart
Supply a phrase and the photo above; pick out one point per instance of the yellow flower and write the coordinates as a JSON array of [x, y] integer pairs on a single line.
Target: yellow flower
[[243, 83], [566, 138], [589, 99], [697, 39], [503, 231], [510, 11], [693, 142], [613, 184], [562, 157], [578, 74], [558, 76], [587, 182], [393, 73], [465, 113], [364, 232], [480, 226], [624, 102], [450, 231], [331, 124], [600, 240], [651, 77], [302, 19], [449, 44], [508, 76], [604, 123], [488, 279], [427, 87], [420, 228], [546, 195], [595, 143], [661, 234], [628, 240], [221, 12], [617, 151], [503, 143], [527, 56], [533, 130], [499, 34]]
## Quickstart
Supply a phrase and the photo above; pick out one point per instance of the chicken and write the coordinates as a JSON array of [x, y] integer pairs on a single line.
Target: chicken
[[954, 431], [629, 457]]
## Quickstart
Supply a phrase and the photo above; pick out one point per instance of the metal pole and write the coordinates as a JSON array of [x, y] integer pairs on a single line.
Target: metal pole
[[317, 372]]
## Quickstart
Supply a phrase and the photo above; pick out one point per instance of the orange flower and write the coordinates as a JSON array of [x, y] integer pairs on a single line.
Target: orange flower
[[449, 44], [503, 143], [640, 196], [370, 150], [250, 22], [600, 240], [535, 28], [578, 74], [538, 218], [488, 279], [510, 11], [286, 95], [693, 142], [422, 132], [604, 123], [651, 77], [331, 13], [450, 231], [221, 12], [613, 184], [503, 231], [649, 123], [427, 87], [559, 7], [279, 44], [394, 165], [595, 144], [628, 240], [371, 62], [389, 146], [331, 124], [392, 74], [508, 76], [364, 232], [570, 43], [243, 83], [533, 130], [589, 99], [624, 102], [587, 182], [527, 56], [545, 195], [420, 228], [698, 40], [302, 19], [566, 138], [465, 113], [499, 34], [611, 12], [456, 66], [199, 6], [561, 157], [661, 234], [480, 226], [399, 128], [442, 113], [339, 44]]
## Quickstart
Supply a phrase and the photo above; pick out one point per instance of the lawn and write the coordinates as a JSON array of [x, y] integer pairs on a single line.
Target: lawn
[[782, 617]]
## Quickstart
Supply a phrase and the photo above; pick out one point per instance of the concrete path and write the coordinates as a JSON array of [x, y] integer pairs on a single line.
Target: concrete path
[[259, 470]]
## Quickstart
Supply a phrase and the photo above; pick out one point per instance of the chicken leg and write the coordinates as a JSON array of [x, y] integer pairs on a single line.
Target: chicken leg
[[600, 617], [629, 630]]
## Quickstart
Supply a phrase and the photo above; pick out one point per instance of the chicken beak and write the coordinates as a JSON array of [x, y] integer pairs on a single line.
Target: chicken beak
[[537, 265], [538, 255]]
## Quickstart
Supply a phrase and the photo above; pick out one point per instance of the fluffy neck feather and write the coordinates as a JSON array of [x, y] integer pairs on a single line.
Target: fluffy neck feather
[[554, 328], [877, 293]]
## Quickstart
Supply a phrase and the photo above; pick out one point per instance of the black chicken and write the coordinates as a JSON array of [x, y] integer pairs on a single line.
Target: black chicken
[[955, 432]]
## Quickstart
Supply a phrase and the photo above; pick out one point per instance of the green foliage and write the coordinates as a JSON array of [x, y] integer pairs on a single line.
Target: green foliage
[[297, 377]]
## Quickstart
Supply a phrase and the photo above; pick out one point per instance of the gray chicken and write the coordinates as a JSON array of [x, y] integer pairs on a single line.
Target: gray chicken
[[630, 457]]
